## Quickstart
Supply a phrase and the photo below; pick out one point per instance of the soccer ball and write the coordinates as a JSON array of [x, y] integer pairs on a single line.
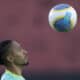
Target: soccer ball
[[62, 18]]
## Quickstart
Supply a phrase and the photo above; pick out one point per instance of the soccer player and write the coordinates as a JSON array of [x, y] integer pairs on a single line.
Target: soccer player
[[14, 58]]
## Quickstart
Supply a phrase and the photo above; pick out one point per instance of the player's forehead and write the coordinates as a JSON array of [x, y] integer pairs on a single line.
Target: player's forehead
[[16, 45]]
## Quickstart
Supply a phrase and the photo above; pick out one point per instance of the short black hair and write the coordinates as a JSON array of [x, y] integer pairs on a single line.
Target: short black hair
[[4, 48]]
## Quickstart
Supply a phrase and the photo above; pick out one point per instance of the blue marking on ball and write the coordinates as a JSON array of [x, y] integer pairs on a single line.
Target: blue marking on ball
[[61, 6], [64, 24]]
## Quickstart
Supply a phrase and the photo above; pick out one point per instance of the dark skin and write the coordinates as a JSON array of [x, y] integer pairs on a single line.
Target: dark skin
[[17, 58]]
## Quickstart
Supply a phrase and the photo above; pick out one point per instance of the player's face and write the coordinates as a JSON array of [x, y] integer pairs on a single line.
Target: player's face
[[20, 55]]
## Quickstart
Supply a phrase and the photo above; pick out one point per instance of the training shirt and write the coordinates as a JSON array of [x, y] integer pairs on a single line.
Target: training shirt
[[8, 75]]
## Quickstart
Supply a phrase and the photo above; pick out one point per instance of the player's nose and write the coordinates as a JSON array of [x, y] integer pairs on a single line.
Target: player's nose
[[25, 51]]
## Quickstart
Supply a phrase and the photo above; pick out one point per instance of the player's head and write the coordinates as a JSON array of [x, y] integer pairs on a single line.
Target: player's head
[[11, 53]]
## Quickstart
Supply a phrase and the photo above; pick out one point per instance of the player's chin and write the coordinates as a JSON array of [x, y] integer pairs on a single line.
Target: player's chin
[[26, 64]]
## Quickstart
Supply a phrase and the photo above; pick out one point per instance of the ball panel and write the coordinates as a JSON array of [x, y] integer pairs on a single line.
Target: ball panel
[[62, 24], [57, 14], [53, 16], [73, 17], [61, 6]]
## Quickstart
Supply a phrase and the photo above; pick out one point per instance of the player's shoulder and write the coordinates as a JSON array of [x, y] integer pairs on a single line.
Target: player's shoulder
[[5, 76]]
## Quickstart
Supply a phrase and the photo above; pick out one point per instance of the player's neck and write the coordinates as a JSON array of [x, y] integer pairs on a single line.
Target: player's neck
[[16, 70]]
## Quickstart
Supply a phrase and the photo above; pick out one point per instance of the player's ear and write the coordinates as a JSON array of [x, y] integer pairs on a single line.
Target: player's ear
[[10, 58]]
